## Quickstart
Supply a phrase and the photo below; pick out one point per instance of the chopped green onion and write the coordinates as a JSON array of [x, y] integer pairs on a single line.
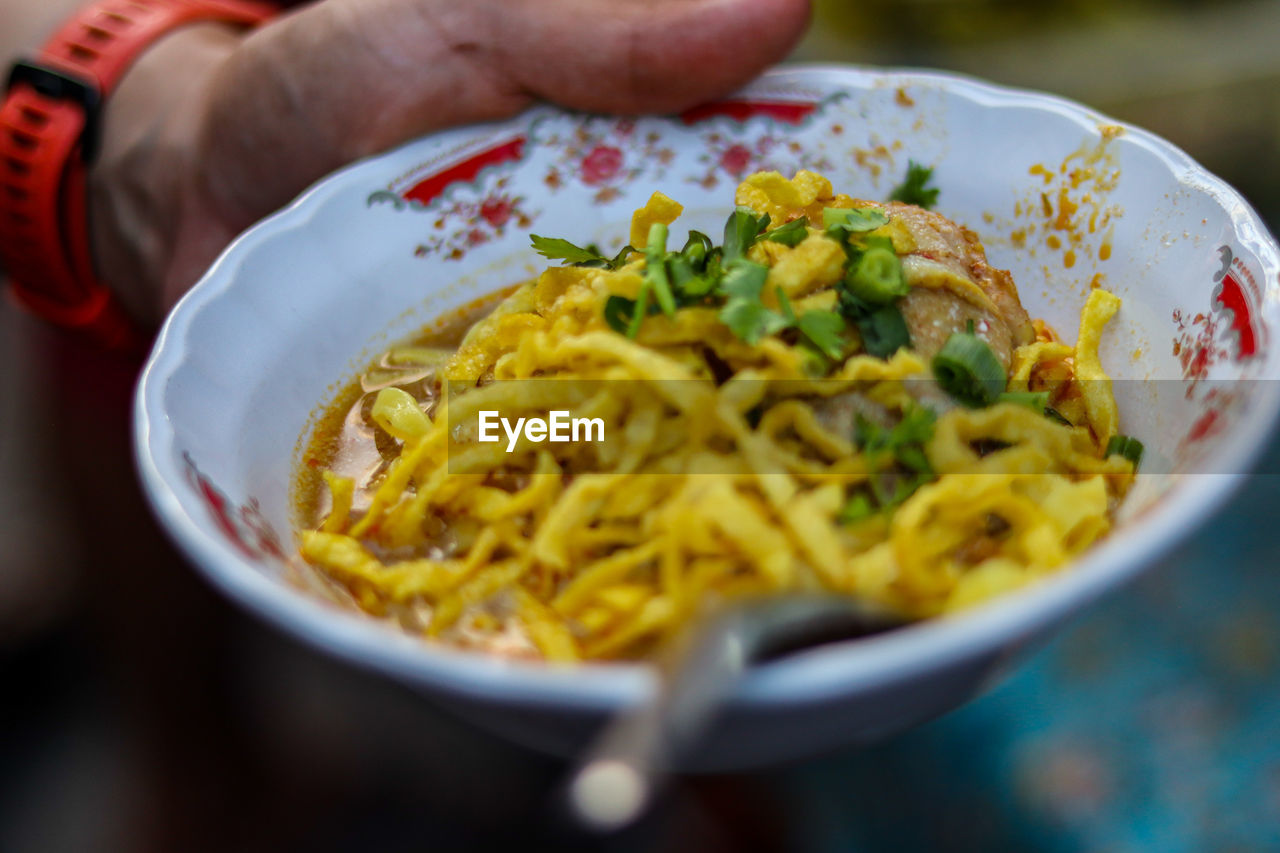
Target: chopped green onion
[[875, 241], [696, 248], [642, 308], [969, 371], [681, 272], [655, 268], [853, 219], [689, 286], [883, 331], [877, 277], [1128, 447], [707, 281], [1037, 401], [791, 234]]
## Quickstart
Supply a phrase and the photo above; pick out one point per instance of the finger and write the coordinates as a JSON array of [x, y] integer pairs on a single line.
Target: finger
[[346, 78], [635, 56]]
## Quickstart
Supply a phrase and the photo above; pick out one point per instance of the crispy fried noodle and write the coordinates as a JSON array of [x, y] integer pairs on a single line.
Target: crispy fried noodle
[[841, 395]]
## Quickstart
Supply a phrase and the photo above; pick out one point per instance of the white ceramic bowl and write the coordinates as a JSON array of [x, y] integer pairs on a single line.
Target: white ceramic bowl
[[309, 296]]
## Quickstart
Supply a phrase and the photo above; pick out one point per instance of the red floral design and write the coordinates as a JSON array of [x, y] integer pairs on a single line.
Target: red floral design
[[496, 211], [1228, 331], [735, 159], [474, 223], [1195, 345], [1206, 425], [601, 165], [244, 526], [604, 154]]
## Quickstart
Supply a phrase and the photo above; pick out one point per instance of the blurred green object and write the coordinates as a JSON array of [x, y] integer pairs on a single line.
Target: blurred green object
[[1204, 74]]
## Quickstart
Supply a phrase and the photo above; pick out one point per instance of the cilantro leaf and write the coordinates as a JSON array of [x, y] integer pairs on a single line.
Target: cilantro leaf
[[785, 304], [813, 362], [791, 234], [743, 312], [620, 314], [858, 508], [619, 260], [557, 249], [883, 330], [896, 455], [618, 311], [823, 329], [853, 219], [916, 426], [915, 188], [744, 279], [740, 231], [751, 321]]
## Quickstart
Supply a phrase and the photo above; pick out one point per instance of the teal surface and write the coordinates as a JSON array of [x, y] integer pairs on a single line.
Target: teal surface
[[1153, 724]]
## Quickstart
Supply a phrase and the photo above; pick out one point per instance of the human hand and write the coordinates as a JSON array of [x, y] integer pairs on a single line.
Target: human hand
[[212, 130]]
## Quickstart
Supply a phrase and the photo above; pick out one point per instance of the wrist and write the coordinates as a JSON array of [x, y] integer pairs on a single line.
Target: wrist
[[146, 174]]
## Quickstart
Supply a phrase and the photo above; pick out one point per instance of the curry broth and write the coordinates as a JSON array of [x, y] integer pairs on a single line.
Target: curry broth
[[343, 439]]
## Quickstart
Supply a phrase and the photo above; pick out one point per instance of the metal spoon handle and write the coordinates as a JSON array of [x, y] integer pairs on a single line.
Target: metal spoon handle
[[625, 768], [696, 676]]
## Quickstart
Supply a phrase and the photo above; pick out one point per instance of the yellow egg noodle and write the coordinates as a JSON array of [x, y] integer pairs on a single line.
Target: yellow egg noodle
[[722, 471]]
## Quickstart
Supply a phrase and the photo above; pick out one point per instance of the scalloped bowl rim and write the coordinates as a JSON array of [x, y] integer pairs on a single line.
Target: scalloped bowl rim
[[810, 676]]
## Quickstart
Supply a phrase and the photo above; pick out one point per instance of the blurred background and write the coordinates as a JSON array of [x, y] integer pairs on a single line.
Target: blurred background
[[143, 713]]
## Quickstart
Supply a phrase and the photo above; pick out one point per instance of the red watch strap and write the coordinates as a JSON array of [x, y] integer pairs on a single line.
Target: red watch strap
[[47, 126]]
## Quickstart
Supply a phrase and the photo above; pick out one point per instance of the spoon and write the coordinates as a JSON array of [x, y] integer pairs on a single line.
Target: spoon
[[624, 770]]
